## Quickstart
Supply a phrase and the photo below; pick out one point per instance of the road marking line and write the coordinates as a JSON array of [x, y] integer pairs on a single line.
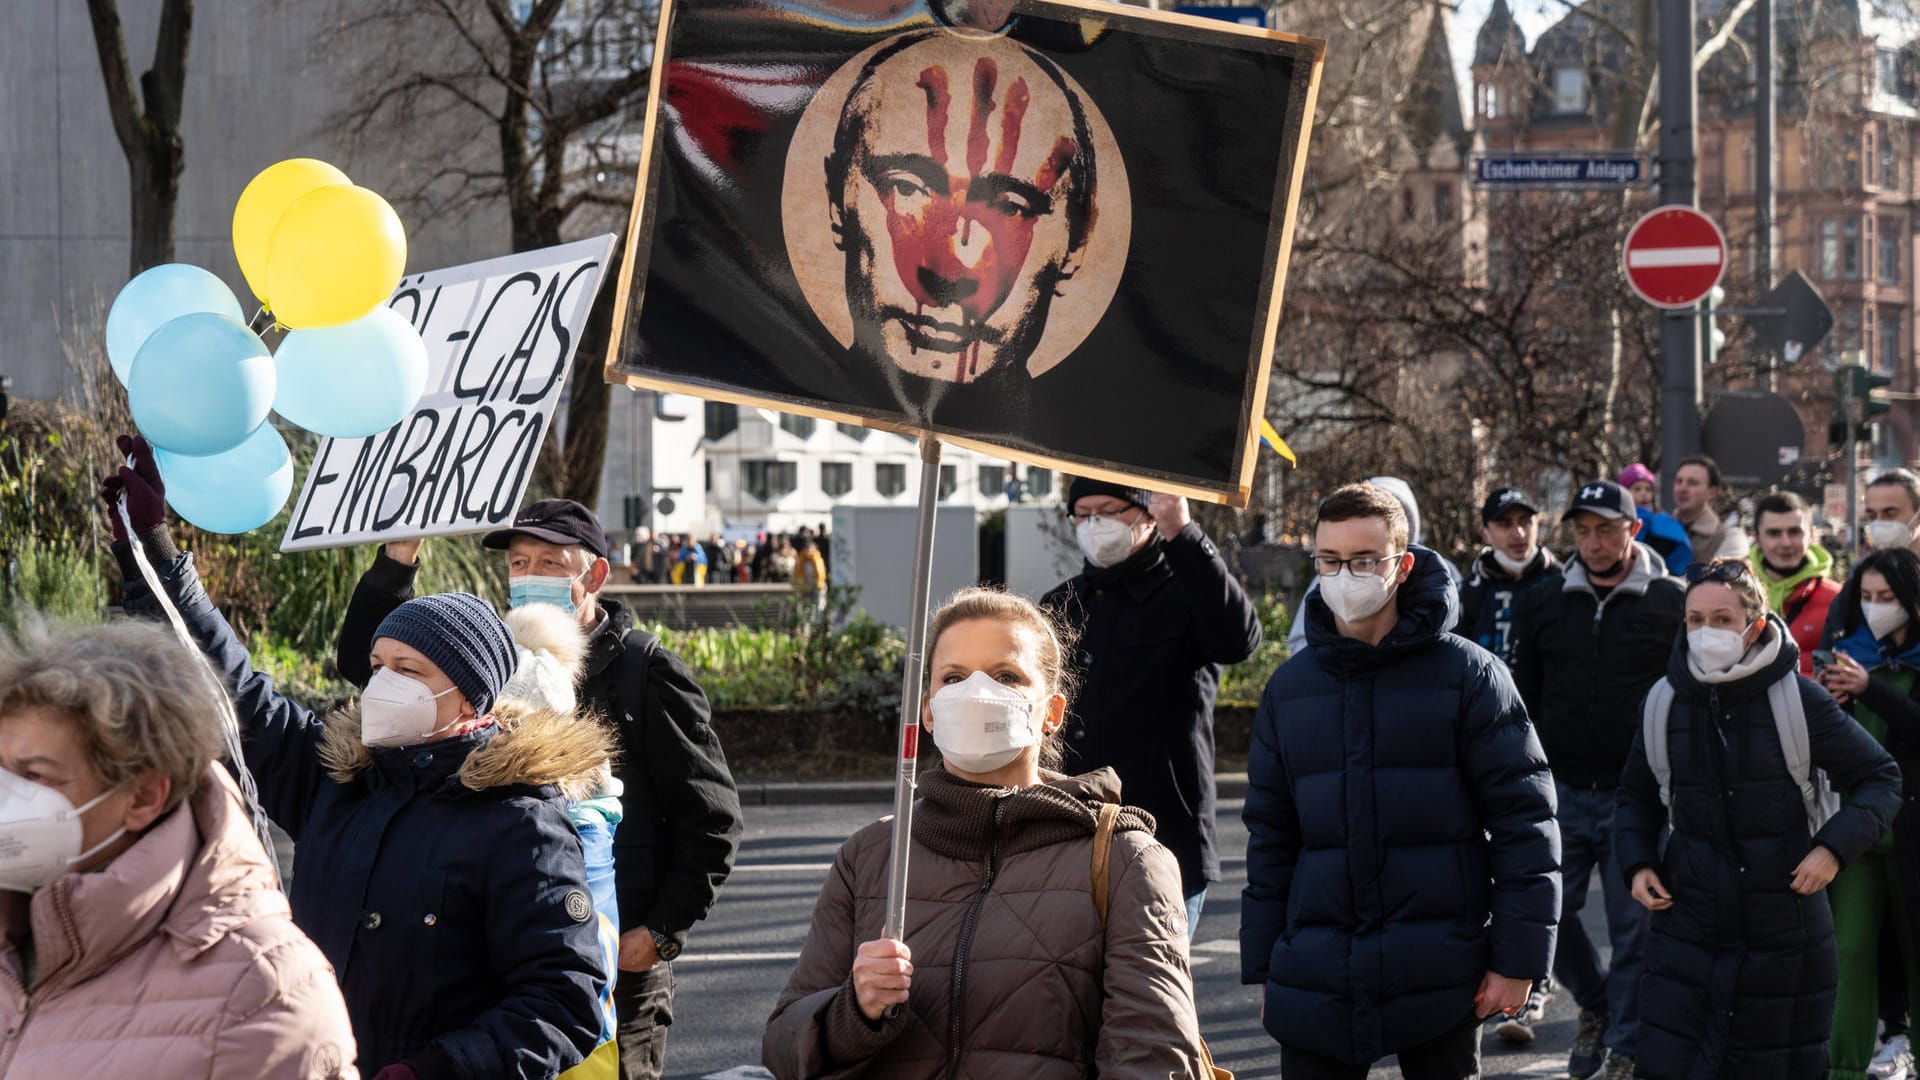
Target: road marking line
[[1652, 258], [1219, 945], [737, 957]]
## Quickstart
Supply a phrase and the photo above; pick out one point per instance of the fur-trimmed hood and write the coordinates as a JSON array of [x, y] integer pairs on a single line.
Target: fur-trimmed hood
[[533, 747]]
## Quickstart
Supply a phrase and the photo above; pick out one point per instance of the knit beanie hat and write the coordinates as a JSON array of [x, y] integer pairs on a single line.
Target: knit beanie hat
[[1082, 486], [463, 637], [1637, 473]]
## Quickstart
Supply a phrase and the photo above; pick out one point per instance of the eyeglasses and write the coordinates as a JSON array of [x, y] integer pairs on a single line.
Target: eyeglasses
[[1720, 570], [1328, 565]]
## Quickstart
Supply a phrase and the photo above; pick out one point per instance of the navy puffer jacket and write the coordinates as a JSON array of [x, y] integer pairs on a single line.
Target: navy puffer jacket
[[1740, 971], [1401, 834]]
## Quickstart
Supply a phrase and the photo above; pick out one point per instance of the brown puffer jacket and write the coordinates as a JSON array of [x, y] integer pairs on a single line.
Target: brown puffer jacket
[[1013, 974]]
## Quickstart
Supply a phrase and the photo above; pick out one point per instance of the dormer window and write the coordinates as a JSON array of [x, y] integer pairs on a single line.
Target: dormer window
[[1569, 90]]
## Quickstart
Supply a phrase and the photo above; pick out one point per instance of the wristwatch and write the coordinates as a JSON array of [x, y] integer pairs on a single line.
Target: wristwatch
[[667, 948]]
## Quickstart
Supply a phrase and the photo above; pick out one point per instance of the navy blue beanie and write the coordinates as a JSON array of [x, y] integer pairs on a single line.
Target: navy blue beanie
[[1083, 486], [463, 637]]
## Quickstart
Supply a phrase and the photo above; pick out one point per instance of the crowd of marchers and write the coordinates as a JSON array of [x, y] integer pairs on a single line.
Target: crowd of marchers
[[500, 850]]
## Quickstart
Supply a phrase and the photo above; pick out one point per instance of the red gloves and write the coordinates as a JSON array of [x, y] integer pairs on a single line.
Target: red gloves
[[146, 495]]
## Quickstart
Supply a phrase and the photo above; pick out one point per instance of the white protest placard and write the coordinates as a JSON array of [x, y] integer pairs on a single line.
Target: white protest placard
[[500, 338]]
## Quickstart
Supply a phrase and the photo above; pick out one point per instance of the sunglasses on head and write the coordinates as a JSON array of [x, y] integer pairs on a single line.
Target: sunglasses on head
[[1721, 570]]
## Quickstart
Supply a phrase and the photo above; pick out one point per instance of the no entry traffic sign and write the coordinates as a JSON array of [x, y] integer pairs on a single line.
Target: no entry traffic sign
[[1674, 256]]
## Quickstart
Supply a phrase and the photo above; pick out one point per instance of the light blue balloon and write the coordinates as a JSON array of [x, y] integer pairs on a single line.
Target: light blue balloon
[[201, 384], [234, 492], [352, 380], [158, 296]]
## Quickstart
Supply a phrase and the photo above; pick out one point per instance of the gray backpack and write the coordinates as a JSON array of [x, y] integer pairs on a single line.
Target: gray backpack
[[1789, 719]]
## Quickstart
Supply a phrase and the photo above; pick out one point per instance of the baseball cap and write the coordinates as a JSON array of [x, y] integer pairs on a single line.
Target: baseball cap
[[1603, 497], [1503, 500], [556, 521]]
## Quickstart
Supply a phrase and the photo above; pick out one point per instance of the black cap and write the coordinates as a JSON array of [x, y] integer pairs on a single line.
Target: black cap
[[1502, 501], [1603, 497], [1083, 486], [556, 521]]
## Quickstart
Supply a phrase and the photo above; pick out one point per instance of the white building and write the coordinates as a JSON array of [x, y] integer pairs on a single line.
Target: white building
[[681, 464]]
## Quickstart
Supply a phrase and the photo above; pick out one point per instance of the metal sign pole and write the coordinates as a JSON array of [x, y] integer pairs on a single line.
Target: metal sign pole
[[896, 925]]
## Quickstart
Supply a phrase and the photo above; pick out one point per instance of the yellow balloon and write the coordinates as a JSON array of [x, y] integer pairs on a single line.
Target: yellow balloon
[[337, 254], [261, 205]]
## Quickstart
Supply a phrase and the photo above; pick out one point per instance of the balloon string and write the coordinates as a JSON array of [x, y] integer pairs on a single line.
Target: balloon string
[[229, 722]]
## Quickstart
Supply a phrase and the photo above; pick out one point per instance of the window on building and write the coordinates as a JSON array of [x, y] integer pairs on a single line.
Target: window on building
[[798, 426], [1569, 90], [770, 480], [1888, 265], [1406, 204], [1890, 153], [1888, 358], [1039, 482], [1846, 335], [949, 481], [889, 478], [1747, 153], [1850, 249], [853, 431], [1886, 72], [1869, 158], [722, 419], [1443, 202], [1850, 158], [709, 473], [1830, 250], [836, 477], [992, 479]]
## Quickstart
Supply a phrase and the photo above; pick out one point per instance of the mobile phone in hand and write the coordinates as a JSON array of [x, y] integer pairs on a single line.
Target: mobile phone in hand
[[1822, 659]]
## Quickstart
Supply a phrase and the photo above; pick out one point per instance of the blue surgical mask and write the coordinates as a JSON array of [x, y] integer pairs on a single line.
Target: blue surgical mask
[[534, 589]]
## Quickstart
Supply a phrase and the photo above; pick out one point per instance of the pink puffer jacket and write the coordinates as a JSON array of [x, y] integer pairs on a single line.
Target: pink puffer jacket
[[179, 959]]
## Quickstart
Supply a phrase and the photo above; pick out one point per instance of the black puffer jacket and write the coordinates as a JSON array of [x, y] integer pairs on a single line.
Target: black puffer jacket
[[1583, 664], [1401, 839], [675, 844], [1740, 972]]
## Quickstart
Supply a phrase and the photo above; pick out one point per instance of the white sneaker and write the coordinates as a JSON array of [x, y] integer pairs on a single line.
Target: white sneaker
[[1894, 1061]]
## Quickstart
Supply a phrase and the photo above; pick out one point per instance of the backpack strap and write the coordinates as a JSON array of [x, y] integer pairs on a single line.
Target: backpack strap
[[1102, 855], [1655, 714], [1790, 720]]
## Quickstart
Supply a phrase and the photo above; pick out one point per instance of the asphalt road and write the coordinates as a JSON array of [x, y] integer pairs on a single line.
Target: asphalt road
[[738, 960]]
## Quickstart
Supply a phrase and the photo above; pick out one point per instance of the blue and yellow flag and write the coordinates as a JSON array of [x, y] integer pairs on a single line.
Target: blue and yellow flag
[[1272, 438]]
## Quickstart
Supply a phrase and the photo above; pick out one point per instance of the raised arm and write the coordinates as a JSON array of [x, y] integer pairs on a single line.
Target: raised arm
[[386, 585], [1225, 624]]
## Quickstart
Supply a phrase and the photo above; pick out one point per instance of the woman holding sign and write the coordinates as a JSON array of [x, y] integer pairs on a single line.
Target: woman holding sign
[[435, 864], [1009, 967]]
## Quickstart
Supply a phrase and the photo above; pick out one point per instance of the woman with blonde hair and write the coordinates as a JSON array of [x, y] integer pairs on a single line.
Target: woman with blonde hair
[[142, 932], [1007, 920]]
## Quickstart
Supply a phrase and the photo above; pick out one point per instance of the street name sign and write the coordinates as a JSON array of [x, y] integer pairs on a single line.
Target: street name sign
[[1538, 170]]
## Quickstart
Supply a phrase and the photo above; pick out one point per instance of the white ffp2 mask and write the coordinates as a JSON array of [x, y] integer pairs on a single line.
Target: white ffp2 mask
[[1887, 535], [1884, 619], [40, 833], [1353, 597], [980, 724], [1104, 541], [1715, 649], [396, 710]]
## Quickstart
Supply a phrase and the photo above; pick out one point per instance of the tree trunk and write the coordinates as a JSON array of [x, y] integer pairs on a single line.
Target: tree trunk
[[149, 136], [153, 189]]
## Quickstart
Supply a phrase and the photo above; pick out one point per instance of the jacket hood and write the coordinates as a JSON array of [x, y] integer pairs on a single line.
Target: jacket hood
[[1873, 653], [1819, 564], [1428, 604], [195, 875], [1402, 491], [527, 748], [1647, 566], [963, 820], [552, 652], [1784, 662]]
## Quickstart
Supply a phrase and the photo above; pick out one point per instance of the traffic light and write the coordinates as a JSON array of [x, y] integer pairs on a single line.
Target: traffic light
[[1854, 383]]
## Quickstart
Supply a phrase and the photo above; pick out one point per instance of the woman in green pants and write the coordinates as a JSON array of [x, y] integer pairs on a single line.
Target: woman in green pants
[[1874, 666]]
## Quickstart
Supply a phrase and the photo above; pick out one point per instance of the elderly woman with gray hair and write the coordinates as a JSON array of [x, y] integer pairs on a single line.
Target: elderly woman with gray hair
[[141, 930]]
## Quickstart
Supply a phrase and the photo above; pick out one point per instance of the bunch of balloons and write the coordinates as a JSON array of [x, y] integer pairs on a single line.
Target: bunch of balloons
[[323, 256]]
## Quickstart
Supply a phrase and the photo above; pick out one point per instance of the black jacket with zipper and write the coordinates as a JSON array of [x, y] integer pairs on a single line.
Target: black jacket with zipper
[[1583, 664]]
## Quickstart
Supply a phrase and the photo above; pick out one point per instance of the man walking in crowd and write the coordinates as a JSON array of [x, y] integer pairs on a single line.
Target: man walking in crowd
[[1696, 487], [1514, 559], [1660, 531], [1794, 570], [1402, 491], [1588, 642], [1157, 615], [675, 846], [1402, 854]]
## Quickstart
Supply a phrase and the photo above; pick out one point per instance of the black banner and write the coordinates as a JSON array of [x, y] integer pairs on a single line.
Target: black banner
[[1065, 241]]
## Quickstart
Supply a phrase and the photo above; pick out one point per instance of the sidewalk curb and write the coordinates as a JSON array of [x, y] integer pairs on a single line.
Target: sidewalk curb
[[856, 792]]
